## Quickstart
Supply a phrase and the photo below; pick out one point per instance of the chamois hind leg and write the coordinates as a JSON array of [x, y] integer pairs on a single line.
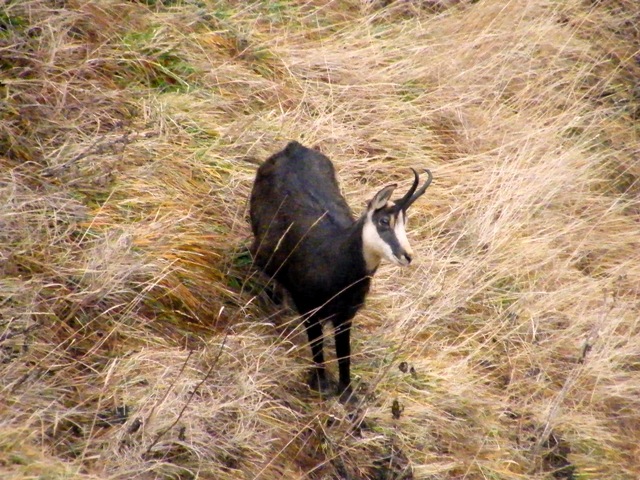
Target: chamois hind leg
[[318, 379], [343, 353]]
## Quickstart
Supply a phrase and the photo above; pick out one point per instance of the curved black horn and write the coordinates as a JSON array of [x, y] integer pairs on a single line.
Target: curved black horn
[[417, 195], [402, 202]]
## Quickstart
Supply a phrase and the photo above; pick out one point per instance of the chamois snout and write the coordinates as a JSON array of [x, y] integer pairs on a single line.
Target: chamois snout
[[405, 259], [403, 254]]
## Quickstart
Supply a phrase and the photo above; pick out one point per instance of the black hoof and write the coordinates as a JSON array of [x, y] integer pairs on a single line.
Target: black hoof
[[346, 395], [319, 382]]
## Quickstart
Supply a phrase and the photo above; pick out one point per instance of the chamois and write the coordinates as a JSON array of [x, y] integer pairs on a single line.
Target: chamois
[[306, 237]]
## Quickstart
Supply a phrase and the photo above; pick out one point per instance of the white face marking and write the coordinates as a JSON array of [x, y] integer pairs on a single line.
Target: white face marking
[[401, 235], [373, 247]]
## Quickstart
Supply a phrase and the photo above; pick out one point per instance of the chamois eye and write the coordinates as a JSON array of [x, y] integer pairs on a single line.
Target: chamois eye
[[384, 221]]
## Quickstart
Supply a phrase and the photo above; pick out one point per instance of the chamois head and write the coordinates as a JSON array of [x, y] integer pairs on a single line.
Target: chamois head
[[383, 232]]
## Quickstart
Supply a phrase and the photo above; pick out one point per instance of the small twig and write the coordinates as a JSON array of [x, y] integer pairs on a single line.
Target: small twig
[[193, 393], [7, 335], [173, 384], [573, 376], [99, 146]]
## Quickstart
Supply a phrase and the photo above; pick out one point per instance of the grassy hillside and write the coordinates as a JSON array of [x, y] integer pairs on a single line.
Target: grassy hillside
[[136, 339]]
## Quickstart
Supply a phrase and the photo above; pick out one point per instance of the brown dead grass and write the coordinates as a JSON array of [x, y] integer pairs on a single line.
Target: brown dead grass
[[137, 341]]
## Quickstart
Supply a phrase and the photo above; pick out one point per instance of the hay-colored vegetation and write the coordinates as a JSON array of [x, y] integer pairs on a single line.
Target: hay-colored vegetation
[[136, 340]]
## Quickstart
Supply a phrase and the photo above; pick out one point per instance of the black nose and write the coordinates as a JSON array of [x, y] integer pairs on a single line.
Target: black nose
[[408, 257]]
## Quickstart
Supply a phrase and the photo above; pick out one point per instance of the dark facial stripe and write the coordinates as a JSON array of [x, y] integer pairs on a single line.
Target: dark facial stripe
[[389, 237]]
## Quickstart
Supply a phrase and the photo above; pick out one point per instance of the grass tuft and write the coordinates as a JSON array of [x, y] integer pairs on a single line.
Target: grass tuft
[[136, 338]]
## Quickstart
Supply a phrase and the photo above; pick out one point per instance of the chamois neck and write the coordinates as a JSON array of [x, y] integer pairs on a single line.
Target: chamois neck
[[371, 259], [347, 248]]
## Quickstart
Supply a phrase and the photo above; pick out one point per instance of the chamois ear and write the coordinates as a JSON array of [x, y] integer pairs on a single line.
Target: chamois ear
[[382, 197]]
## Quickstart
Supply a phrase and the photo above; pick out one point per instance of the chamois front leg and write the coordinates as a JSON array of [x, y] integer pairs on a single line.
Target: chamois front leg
[[343, 353], [318, 378]]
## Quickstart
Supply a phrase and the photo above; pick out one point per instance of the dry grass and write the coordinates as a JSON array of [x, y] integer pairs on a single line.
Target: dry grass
[[135, 338]]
